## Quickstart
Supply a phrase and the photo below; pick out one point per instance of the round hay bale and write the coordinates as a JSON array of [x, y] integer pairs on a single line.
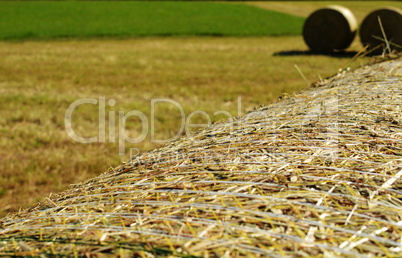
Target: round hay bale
[[329, 29], [371, 34]]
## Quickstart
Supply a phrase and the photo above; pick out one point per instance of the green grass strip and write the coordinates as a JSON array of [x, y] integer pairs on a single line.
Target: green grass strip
[[49, 19]]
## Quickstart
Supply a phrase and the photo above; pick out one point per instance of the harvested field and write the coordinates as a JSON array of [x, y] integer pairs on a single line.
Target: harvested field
[[317, 173], [303, 8]]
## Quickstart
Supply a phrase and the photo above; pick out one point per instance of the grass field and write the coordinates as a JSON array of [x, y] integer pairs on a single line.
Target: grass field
[[40, 79], [49, 19]]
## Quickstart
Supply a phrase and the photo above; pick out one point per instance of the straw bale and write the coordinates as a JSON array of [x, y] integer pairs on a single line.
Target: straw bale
[[315, 174], [329, 29], [372, 35]]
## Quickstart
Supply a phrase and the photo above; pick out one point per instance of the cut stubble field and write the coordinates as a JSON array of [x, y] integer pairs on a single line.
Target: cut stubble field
[[40, 79], [303, 8]]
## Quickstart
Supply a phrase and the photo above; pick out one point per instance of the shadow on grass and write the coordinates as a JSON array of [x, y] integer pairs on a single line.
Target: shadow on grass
[[340, 54]]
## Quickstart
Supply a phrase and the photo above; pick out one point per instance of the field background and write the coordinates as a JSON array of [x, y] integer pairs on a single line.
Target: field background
[[303, 8], [42, 76]]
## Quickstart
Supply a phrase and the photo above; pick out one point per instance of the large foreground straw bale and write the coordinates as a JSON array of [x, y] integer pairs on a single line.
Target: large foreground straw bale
[[316, 174], [329, 29]]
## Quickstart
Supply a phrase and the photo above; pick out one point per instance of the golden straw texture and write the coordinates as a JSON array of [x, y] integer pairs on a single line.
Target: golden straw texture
[[315, 174]]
